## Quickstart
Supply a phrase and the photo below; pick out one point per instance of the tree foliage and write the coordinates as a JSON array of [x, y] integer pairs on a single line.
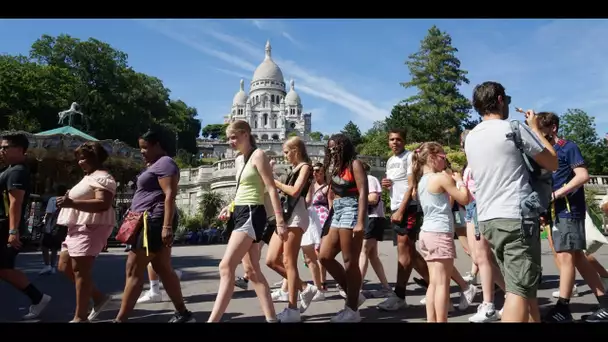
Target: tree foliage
[[215, 131], [437, 105], [316, 136], [118, 102], [209, 207], [352, 131], [576, 125]]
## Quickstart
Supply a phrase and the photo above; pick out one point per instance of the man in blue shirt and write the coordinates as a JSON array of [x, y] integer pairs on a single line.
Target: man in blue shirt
[[568, 228]]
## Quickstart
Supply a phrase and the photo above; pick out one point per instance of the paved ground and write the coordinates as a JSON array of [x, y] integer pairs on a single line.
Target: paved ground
[[200, 282]]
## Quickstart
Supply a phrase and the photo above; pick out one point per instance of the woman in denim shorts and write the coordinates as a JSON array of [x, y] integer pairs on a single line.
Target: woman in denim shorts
[[348, 199]]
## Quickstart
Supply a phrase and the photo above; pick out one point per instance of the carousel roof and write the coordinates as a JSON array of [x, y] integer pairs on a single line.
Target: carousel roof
[[68, 130]]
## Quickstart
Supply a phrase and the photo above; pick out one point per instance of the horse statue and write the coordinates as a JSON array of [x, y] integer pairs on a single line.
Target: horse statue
[[69, 114]]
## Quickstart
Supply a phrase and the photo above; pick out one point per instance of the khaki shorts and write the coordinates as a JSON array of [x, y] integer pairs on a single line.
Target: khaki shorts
[[519, 258]]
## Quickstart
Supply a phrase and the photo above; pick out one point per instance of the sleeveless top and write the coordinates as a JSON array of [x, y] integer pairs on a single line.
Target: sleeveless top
[[344, 184], [251, 187], [320, 204], [437, 210]]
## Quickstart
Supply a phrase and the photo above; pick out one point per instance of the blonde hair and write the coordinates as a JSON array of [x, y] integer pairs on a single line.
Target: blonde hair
[[297, 144], [420, 158], [240, 126]]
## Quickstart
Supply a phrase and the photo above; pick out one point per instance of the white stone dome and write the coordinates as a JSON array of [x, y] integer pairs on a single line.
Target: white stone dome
[[240, 98], [268, 69], [292, 98]]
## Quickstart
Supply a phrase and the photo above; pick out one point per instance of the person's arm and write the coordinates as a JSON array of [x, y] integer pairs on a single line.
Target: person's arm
[[408, 192], [262, 164], [361, 181], [581, 175], [604, 205], [457, 190], [311, 191], [295, 190], [17, 183], [536, 145], [168, 178], [101, 202], [375, 191]]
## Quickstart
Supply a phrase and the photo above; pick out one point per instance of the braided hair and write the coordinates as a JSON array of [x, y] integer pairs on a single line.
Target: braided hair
[[343, 154]]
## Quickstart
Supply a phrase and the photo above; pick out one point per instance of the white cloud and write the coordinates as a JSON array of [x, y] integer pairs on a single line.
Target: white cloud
[[232, 73], [278, 27], [306, 80]]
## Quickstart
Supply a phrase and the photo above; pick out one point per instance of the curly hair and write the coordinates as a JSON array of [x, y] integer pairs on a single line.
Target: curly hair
[[92, 152], [343, 156]]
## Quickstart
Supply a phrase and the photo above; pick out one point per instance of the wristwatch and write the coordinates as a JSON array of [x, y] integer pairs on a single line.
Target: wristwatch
[[13, 232]]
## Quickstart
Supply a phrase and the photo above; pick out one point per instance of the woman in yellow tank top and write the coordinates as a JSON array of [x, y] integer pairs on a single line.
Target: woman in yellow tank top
[[249, 216]]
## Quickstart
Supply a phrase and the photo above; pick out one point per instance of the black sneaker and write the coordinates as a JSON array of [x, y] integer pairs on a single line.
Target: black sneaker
[[241, 283], [599, 316], [421, 282], [559, 314], [182, 317]]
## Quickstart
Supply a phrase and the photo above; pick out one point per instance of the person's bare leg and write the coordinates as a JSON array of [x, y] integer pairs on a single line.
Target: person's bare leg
[[601, 270], [310, 255], [64, 265], [162, 268], [137, 262], [251, 264]]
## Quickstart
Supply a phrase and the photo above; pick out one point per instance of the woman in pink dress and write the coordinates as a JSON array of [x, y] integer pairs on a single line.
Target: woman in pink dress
[[87, 212]]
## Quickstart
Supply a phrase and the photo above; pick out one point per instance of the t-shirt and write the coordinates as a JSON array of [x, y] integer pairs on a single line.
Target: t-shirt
[[51, 208], [149, 196], [15, 177], [374, 186], [397, 169], [497, 166], [569, 157]]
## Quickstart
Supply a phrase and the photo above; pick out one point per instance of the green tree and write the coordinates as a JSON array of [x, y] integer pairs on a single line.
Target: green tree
[[438, 104], [118, 102], [578, 126], [316, 136], [292, 134], [352, 131], [210, 205], [375, 141], [215, 131]]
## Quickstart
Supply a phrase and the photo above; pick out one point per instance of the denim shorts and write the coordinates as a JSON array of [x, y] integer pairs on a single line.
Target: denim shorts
[[471, 215], [346, 213]]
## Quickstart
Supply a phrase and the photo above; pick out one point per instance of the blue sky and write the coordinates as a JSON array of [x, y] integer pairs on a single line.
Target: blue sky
[[349, 69]]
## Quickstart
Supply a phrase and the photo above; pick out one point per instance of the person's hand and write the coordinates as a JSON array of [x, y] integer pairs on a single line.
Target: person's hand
[[457, 177], [358, 228], [281, 230], [272, 162], [224, 214], [14, 241], [531, 119], [65, 201], [167, 236], [397, 217], [386, 183]]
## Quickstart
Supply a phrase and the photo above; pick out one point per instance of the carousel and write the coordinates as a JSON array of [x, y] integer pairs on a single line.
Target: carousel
[[52, 162]]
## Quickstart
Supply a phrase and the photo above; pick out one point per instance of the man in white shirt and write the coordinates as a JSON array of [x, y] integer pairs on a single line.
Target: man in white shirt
[[406, 218], [502, 182]]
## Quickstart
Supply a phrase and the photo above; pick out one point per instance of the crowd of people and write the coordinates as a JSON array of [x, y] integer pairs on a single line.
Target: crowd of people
[[494, 206]]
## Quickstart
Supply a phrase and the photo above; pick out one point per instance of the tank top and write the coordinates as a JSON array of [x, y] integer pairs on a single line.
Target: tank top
[[251, 187], [344, 184], [436, 207]]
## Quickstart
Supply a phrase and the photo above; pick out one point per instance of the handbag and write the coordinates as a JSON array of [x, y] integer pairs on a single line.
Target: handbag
[[130, 227], [230, 222]]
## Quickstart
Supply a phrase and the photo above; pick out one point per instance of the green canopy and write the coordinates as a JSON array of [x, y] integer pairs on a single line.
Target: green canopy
[[67, 130]]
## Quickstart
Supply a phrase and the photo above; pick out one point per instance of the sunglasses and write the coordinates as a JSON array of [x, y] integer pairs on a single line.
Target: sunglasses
[[316, 170], [5, 147]]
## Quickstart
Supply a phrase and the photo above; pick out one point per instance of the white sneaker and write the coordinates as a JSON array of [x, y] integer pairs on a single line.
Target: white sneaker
[[470, 278], [36, 310], [574, 292], [362, 299], [307, 296], [485, 313], [46, 270], [97, 309], [289, 316], [277, 284], [179, 274], [341, 291], [346, 316], [279, 295], [466, 297], [319, 297], [150, 297], [500, 313], [392, 303]]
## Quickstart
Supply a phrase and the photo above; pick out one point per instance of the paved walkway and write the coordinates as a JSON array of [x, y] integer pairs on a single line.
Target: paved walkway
[[200, 282]]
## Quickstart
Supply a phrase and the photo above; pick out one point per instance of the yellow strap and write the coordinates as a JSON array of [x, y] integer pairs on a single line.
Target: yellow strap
[[231, 207], [146, 233]]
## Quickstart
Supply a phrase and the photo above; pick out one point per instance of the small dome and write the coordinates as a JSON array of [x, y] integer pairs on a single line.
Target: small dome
[[240, 98], [292, 98], [268, 69]]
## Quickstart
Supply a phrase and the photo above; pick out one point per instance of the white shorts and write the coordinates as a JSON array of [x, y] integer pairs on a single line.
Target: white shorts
[[299, 216], [312, 236]]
